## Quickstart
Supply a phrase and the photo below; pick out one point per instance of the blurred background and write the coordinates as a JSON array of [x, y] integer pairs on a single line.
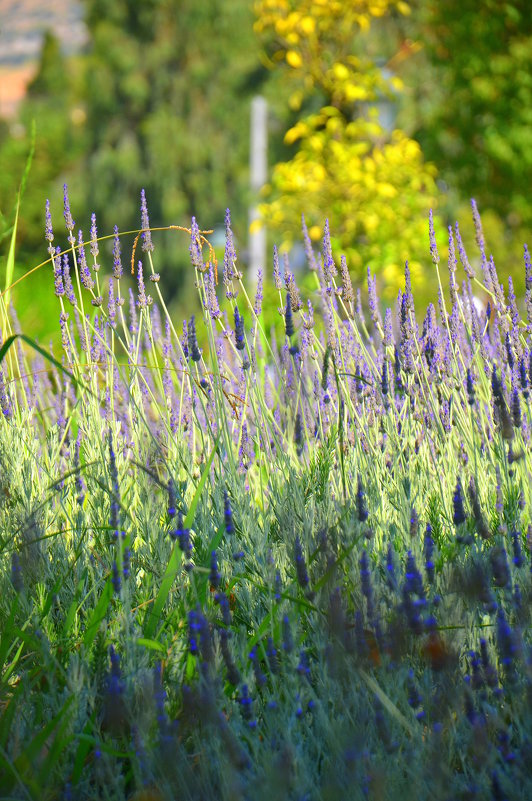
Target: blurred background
[[375, 111]]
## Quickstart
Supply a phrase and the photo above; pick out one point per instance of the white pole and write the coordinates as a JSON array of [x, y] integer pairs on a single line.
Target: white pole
[[258, 169]]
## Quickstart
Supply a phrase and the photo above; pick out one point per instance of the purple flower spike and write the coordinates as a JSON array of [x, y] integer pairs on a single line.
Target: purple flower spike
[[49, 233], [229, 270], [94, 241], [301, 566], [147, 244], [362, 506], [195, 246], [85, 273], [117, 263], [528, 269], [69, 222], [432, 240], [58, 273], [459, 515]]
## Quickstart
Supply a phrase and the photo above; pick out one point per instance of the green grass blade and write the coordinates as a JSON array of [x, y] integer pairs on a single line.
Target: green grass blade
[[386, 702], [98, 614], [204, 476], [164, 591], [153, 645], [83, 749], [10, 264], [48, 356]]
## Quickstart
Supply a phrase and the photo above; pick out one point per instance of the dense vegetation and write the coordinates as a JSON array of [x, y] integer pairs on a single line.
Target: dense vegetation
[[249, 563]]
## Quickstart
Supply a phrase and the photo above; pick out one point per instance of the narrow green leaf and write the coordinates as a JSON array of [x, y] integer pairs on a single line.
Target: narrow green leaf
[[164, 590], [74, 606], [12, 665], [152, 644], [386, 702], [199, 489], [262, 629], [29, 160], [84, 746], [35, 345], [10, 264], [6, 636], [98, 614]]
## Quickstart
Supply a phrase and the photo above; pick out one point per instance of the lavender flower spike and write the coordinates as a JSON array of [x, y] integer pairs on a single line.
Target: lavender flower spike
[[117, 263], [195, 246], [69, 222], [49, 233], [147, 244], [432, 240], [85, 274]]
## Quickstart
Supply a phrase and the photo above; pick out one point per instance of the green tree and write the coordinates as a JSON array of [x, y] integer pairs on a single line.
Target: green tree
[[168, 97], [474, 102], [59, 119]]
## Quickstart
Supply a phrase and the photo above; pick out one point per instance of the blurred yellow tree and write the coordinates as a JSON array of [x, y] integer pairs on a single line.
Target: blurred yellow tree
[[369, 180]]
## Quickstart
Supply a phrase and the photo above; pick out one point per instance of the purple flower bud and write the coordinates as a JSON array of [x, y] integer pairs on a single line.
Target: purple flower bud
[[49, 233], [214, 575], [459, 515], [518, 558], [365, 580], [116, 581], [16, 573], [470, 388], [303, 667], [288, 642], [329, 267], [362, 506], [259, 293], [196, 256], [147, 244], [69, 222], [499, 566], [428, 549], [228, 515], [298, 434], [85, 273], [239, 330], [507, 641], [195, 353], [229, 269], [348, 296], [390, 568], [117, 248], [301, 567], [516, 409], [278, 586], [58, 273], [432, 240], [246, 703]]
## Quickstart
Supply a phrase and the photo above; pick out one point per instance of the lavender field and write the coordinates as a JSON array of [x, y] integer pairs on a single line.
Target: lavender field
[[251, 562]]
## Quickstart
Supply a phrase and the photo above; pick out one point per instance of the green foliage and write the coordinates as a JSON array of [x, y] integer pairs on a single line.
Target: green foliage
[[168, 91], [477, 123], [372, 183]]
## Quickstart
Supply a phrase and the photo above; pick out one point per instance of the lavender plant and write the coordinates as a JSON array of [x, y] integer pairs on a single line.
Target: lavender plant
[[239, 562]]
